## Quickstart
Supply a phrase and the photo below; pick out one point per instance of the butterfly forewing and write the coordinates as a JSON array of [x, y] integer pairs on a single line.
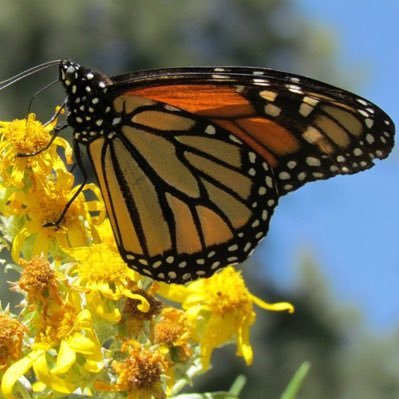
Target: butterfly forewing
[[304, 129]]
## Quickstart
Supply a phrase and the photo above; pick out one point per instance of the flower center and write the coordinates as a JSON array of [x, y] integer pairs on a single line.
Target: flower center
[[227, 292], [102, 265], [27, 136]]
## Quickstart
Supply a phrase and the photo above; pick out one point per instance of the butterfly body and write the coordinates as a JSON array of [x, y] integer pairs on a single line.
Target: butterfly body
[[88, 107], [191, 162]]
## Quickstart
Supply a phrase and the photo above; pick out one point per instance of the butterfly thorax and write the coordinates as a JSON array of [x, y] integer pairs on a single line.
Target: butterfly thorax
[[89, 110]]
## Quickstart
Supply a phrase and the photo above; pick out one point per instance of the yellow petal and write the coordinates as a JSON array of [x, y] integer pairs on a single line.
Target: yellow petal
[[38, 386], [18, 243], [65, 359], [113, 316], [13, 373], [206, 353], [243, 345], [81, 344], [104, 288], [143, 306], [76, 235], [173, 292], [43, 374], [84, 316], [276, 307], [94, 366], [41, 243], [18, 174]]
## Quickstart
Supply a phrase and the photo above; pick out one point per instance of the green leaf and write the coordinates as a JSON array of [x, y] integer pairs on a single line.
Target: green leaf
[[207, 395], [233, 393], [296, 382], [238, 385]]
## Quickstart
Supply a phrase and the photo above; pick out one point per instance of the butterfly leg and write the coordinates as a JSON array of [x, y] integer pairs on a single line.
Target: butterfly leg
[[41, 91], [79, 164], [57, 130]]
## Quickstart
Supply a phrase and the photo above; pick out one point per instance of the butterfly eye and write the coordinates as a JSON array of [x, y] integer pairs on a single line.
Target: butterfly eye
[[69, 74]]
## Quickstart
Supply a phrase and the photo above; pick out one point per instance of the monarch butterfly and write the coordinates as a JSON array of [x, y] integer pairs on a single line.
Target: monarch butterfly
[[191, 162]]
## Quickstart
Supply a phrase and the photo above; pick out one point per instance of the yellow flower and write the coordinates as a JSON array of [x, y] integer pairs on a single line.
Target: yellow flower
[[24, 137], [174, 331], [136, 320], [45, 204], [220, 309], [76, 335], [100, 271], [66, 340], [11, 334], [38, 280], [140, 375], [38, 188]]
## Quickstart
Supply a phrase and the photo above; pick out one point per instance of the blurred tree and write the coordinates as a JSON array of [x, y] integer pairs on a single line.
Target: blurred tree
[[370, 366], [122, 36]]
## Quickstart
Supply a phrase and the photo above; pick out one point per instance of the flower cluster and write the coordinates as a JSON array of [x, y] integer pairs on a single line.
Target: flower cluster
[[87, 323]]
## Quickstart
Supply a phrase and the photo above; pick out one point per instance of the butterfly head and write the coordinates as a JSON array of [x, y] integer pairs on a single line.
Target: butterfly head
[[87, 102], [79, 79]]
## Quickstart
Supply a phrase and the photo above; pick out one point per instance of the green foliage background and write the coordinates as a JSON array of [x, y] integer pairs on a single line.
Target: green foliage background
[[346, 360]]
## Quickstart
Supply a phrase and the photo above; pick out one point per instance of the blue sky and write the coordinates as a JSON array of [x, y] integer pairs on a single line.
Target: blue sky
[[351, 224]]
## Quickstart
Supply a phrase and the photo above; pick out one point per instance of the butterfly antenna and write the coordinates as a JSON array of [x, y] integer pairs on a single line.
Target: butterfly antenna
[[28, 72]]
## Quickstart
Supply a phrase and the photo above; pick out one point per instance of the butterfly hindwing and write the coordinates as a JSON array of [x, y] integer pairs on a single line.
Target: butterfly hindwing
[[181, 190]]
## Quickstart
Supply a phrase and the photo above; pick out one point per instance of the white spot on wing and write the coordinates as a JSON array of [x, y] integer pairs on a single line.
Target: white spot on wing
[[305, 109], [369, 122], [272, 110], [235, 139], [210, 129], [311, 135], [284, 176], [361, 101], [268, 95], [220, 76], [370, 139], [252, 157], [312, 161]]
